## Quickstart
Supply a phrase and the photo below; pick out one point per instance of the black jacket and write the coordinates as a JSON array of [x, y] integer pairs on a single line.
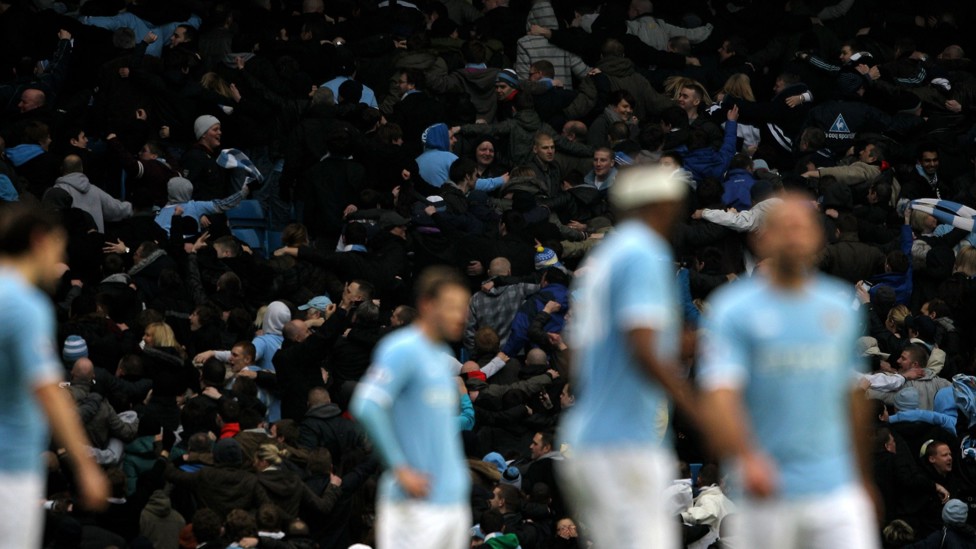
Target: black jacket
[[324, 427]]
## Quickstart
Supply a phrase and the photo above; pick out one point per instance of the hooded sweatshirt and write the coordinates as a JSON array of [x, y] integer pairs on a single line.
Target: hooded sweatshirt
[[85, 196], [268, 343], [435, 162], [22, 154], [160, 523], [180, 193], [530, 49]]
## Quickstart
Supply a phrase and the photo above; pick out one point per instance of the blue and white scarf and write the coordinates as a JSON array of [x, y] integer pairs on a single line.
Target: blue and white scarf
[[947, 212], [230, 159]]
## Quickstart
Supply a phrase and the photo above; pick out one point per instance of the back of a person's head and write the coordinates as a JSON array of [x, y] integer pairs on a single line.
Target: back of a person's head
[[206, 525], [20, 224], [897, 261], [966, 261], [612, 48], [240, 524], [474, 52], [740, 162]]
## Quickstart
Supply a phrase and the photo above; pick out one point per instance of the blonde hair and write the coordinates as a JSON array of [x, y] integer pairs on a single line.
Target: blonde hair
[[215, 83], [271, 454], [162, 335], [259, 317], [966, 261], [897, 316], [738, 85], [918, 221]]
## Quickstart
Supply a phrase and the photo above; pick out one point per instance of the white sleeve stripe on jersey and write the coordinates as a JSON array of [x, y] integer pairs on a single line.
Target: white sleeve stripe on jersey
[[727, 380], [368, 391], [654, 317]]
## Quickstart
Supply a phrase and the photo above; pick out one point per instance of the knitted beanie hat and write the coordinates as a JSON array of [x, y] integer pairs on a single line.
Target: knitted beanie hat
[[545, 258], [203, 123], [75, 348]]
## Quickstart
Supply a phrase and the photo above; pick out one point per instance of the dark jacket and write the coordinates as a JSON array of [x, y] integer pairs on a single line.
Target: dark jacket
[[291, 495], [221, 488], [200, 167], [852, 260], [324, 427]]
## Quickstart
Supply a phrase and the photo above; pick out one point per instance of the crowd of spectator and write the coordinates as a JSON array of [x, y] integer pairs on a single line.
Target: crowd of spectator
[[380, 138]]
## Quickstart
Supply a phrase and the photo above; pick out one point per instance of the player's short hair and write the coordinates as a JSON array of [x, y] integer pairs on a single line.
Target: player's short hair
[[19, 224], [434, 279]]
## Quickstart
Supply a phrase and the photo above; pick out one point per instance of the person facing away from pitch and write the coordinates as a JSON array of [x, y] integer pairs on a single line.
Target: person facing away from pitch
[[626, 343], [408, 404], [777, 368]]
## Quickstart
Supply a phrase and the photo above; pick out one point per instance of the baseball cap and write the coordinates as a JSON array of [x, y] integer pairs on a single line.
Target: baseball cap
[[318, 303]]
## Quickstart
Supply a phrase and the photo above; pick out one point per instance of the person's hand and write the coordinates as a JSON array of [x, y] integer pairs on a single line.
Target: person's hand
[[204, 221], [832, 213], [914, 373], [528, 411], [811, 173], [211, 392], [536, 30], [505, 178], [863, 31], [943, 493], [462, 390], [862, 69], [731, 210], [576, 225], [239, 63], [414, 483], [350, 209], [235, 93], [203, 357], [556, 340], [141, 114], [692, 61], [733, 114], [398, 44], [77, 282], [287, 250], [553, 373], [335, 480], [816, 21], [487, 286], [247, 374], [552, 307], [502, 356], [862, 293], [430, 210], [697, 214], [110, 137], [248, 542], [953, 105], [759, 475], [247, 249], [597, 236], [150, 37], [455, 130], [201, 242], [64, 34], [874, 73], [93, 486], [557, 83], [330, 310], [593, 72], [325, 376], [475, 268], [118, 247], [794, 101]]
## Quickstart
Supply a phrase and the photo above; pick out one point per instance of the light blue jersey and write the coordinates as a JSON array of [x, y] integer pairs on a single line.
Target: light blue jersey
[[408, 403], [27, 360], [791, 354], [629, 283]]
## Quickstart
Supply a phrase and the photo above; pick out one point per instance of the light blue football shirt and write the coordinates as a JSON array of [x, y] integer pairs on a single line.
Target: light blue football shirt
[[628, 283], [27, 360], [791, 353], [408, 403]]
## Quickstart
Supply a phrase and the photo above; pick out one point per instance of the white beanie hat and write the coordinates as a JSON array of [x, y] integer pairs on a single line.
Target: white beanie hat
[[639, 186], [204, 123]]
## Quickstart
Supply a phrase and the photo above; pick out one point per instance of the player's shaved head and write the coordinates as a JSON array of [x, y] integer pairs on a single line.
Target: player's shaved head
[[792, 235]]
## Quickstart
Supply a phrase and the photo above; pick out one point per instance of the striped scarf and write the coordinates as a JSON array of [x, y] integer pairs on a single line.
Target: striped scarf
[[947, 212], [230, 159]]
